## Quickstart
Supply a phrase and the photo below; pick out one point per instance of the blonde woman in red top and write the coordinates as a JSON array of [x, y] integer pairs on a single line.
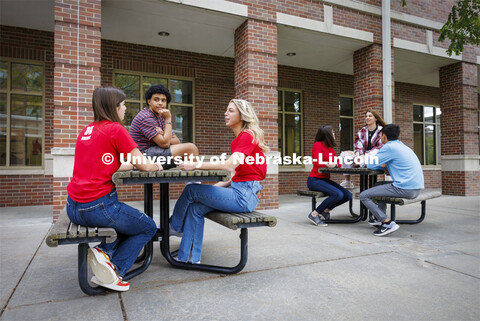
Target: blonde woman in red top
[[237, 196], [322, 153]]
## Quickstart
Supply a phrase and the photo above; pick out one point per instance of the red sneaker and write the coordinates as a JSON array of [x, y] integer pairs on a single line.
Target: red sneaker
[[101, 266], [118, 285]]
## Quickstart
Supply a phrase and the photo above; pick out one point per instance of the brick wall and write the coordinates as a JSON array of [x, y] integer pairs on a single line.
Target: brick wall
[[77, 73], [406, 95]]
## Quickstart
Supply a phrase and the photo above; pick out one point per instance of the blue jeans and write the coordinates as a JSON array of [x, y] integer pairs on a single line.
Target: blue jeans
[[198, 200], [337, 195], [134, 228]]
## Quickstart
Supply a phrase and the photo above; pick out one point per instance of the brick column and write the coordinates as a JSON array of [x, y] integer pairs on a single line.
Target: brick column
[[367, 83], [76, 75], [459, 127], [256, 81]]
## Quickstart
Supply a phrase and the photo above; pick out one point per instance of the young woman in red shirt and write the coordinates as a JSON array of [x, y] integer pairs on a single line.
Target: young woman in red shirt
[[92, 198], [198, 200], [322, 154]]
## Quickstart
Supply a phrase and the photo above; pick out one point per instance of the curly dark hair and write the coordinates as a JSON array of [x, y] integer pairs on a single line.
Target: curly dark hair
[[157, 89]]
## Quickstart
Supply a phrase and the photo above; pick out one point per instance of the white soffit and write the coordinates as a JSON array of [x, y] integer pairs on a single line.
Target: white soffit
[[418, 68], [316, 51], [32, 14], [191, 29]]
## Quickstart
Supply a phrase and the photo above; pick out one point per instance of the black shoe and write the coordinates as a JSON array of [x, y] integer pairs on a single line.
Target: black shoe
[[386, 228], [326, 215], [317, 220]]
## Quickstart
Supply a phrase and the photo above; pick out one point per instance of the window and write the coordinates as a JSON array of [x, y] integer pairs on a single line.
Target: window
[[181, 106], [290, 122], [426, 134], [345, 106], [21, 114]]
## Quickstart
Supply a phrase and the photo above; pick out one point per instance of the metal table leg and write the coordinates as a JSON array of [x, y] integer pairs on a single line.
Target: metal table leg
[[148, 249]]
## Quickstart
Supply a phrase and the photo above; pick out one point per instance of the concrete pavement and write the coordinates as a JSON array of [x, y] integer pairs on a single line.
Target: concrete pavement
[[295, 271]]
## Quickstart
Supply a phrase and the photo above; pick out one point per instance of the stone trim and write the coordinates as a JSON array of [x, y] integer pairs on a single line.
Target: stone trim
[[395, 15], [426, 48], [460, 163], [326, 26], [216, 5]]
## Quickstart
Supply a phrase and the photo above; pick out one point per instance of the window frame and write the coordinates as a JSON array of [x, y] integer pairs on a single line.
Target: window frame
[[142, 101], [282, 114], [347, 117], [437, 130], [8, 91]]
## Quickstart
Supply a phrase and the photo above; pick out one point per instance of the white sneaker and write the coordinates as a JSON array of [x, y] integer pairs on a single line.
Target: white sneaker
[[101, 266], [347, 184], [118, 285]]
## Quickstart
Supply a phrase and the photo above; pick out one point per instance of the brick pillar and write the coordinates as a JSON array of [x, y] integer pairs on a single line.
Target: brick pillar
[[367, 83], [256, 81], [76, 75], [459, 127]]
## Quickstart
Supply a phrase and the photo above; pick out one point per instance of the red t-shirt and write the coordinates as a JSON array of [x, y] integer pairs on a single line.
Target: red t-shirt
[[97, 157], [320, 152], [245, 172]]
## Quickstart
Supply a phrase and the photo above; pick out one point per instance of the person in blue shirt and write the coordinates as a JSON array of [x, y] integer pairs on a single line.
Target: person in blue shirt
[[406, 172]]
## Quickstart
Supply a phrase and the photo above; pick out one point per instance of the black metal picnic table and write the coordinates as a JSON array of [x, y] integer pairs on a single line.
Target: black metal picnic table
[[164, 178], [368, 178]]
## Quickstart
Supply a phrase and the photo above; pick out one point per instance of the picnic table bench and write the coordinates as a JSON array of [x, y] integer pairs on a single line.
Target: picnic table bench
[[425, 194], [65, 232], [233, 221]]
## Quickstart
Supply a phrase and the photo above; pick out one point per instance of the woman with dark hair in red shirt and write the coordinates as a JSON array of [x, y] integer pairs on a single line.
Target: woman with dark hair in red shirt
[[92, 198], [322, 153]]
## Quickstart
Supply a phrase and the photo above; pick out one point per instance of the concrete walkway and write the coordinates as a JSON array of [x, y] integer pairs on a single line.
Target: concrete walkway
[[295, 271]]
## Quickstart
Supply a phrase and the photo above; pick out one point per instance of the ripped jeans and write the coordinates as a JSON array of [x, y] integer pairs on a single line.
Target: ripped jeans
[[198, 200]]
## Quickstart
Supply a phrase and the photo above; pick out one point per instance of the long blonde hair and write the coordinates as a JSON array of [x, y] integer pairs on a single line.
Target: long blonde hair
[[251, 123]]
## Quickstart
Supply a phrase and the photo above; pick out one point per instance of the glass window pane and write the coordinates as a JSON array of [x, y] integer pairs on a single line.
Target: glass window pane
[[27, 77], [418, 141], [292, 101], [292, 135], [429, 114], [280, 133], [26, 126], [182, 122], [3, 129], [130, 113], [181, 91], [280, 100], [417, 113], [346, 134], [430, 155], [130, 85], [3, 74], [149, 81], [346, 106]]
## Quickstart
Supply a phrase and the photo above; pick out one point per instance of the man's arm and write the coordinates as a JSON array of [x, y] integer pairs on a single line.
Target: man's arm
[[384, 156], [165, 138]]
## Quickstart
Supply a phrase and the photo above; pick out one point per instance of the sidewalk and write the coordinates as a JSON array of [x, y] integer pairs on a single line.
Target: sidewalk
[[295, 271]]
